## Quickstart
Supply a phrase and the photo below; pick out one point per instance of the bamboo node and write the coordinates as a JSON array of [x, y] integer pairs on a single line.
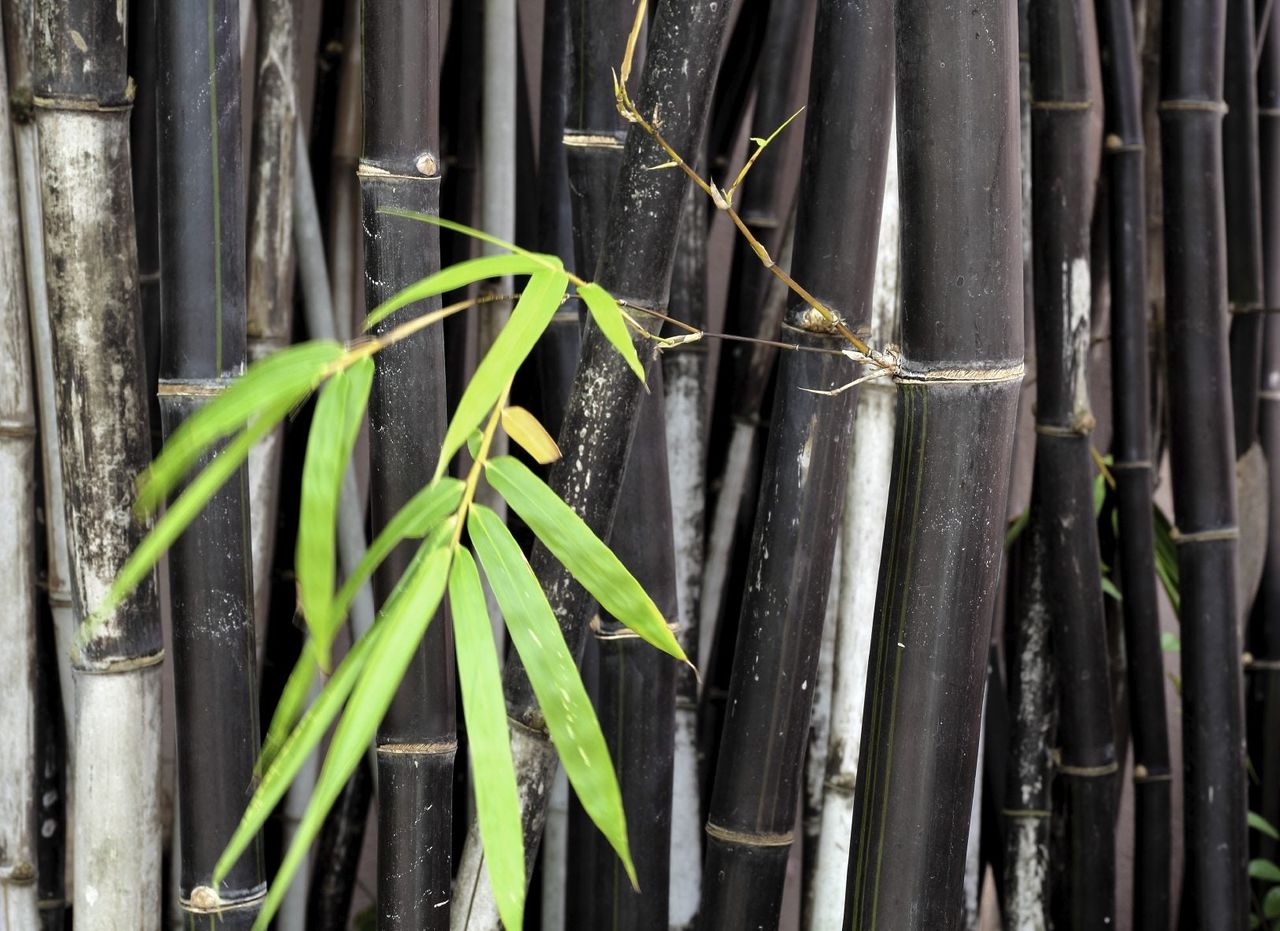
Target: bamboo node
[[1025, 813], [748, 838], [205, 900], [1131, 464], [1088, 772], [579, 139], [1253, 664], [83, 105], [17, 428], [1070, 105], [429, 747], [1245, 307], [1213, 535], [1269, 111], [425, 164], [1142, 775], [20, 872], [979, 376], [1114, 144], [622, 633], [1083, 426], [192, 388], [1193, 106]]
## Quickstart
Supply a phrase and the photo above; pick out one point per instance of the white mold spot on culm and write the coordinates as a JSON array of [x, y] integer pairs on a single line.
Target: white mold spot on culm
[[1077, 284]]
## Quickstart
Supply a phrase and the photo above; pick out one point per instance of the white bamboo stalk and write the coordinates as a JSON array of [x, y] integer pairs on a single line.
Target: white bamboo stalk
[[555, 855], [862, 530], [816, 753], [18, 895]]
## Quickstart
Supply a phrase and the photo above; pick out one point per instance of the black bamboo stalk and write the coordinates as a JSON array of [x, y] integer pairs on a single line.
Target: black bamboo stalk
[[1203, 464], [745, 369], [270, 269], [338, 853], [1132, 468], [635, 266], [684, 374], [400, 168], [202, 302], [82, 100], [344, 246], [733, 88], [1243, 219], [752, 809], [634, 685], [635, 701], [146, 207], [19, 737], [1264, 679], [962, 350], [1066, 135], [51, 770]]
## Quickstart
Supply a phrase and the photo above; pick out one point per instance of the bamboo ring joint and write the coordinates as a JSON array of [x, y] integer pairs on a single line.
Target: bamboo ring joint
[[204, 900], [1193, 106], [1106, 769], [1024, 813], [975, 376], [590, 140], [1069, 105], [748, 838], [1205, 536]]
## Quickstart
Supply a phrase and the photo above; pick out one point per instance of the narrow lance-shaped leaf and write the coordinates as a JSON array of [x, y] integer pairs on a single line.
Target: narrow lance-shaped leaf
[[492, 772], [293, 699], [549, 261], [459, 276], [534, 310], [416, 519], [554, 676], [404, 623], [190, 503], [604, 311], [290, 373], [283, 765], [584, 554], [529, 432], [334, 428]]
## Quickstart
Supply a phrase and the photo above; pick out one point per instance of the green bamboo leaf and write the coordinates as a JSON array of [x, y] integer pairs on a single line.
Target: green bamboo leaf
[[584, 554], [403, 623], [334, 428], [1263, 826], [1271, 904], [293, 372], [492, 771], [604, 311], [414, 520], [534, 310], [1166, 557], [548, 261], [179, 515], [1264, 870], [554, 677], [1109, 588], [461, 275], [295, 748]]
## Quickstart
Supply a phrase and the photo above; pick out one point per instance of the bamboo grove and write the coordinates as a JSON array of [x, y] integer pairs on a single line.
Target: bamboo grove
[[798, 464]]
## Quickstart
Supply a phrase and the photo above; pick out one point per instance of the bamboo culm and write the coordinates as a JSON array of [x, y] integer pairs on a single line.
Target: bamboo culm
[[104, 440], [861, 538], [684, 375], [1066, 135], [19, 776], [1132, 468], [203, 309], [1244, 221], [1264, 645], [1203, 463], [635, 264], [270, 269], [959, 378], [417, 739], [752, 808]]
